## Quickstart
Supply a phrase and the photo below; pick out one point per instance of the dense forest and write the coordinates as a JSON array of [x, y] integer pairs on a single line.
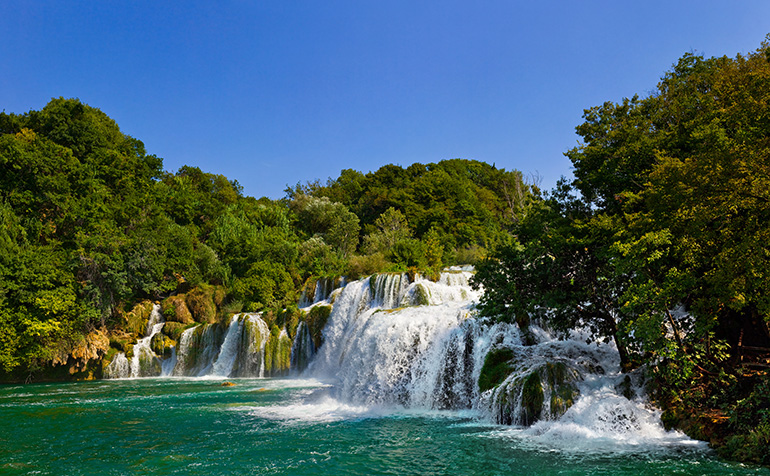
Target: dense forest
[[662, 244], [92, 225], [659, 243]]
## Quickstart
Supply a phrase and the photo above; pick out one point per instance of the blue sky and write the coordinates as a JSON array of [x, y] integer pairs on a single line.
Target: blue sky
[[271, 93]]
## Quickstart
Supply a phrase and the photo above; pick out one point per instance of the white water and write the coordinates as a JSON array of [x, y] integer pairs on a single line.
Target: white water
[[223, 365], [391, 345], [204, 351], [144, 362], [380, 355], [417, 356], [303, 349]]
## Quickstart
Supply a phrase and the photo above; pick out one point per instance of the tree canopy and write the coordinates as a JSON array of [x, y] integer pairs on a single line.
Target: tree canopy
[[92, 224], [661, 240]]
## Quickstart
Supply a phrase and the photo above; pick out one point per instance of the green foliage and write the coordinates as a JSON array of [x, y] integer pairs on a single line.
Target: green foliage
[[331, 221], [466, 204], [265, 284], [390, 228], [750, 421], [366, 265]]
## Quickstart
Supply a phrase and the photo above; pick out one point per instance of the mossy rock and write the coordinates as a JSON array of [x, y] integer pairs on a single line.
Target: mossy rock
[[532, 398], [562, 398], [121, 341], [175, 329], [316, 320], [498, 364], [421, 295], [289, 319], [308, 289], [135, 321], [174, 309], [162, 344], [219, 295], [560, 378], [108, 358], [201, 305], [278, 352]]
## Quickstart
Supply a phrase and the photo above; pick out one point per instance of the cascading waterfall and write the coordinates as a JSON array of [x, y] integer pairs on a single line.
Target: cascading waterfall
[[392, 341], [228, 352], [389, 341], [206, 350], [250, 361], [303, 349], [321, 291], [203, 350], [144, 362]]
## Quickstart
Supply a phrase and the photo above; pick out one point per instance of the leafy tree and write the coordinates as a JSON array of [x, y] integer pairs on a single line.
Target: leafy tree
[[672, 206]]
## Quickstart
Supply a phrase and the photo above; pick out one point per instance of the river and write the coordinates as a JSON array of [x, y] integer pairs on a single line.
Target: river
[[196, 426]]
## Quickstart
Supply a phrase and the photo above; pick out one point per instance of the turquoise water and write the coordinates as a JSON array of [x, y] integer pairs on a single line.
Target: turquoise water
[[291, 427]]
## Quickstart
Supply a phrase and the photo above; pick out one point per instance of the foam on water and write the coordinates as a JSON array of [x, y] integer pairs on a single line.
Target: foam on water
[[396, 346], [325, 410], [378, 356]]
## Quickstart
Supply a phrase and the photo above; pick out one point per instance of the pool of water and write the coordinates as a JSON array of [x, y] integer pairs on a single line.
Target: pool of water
[[296, 427]]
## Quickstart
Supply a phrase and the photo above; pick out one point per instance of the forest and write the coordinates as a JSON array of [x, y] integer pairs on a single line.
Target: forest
[[92, 225], [659, 243]]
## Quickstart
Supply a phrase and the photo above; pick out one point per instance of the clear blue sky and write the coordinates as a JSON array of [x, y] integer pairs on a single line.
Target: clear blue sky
[[275, 92]]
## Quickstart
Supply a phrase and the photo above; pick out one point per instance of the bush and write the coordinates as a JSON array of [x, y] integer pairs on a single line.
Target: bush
[[359, 266]]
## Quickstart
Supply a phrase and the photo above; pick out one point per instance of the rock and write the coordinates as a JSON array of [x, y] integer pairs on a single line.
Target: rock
[[523, 395], [174, 329], [531, 399], [200, 303], [498, 364], [136, 320], [316, 321], [162, 344], [174, 309], [278, 352]]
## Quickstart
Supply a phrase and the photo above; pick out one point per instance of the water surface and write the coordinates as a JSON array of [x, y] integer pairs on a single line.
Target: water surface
[[292, 427]]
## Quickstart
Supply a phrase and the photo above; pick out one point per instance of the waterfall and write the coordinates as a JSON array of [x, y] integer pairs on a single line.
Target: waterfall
[[392, 341], [322, 289], [419, 345], [208, 350], [250, 361], [223, 364], [144, 361], [120, 367], [389, 341], [303, 349]]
